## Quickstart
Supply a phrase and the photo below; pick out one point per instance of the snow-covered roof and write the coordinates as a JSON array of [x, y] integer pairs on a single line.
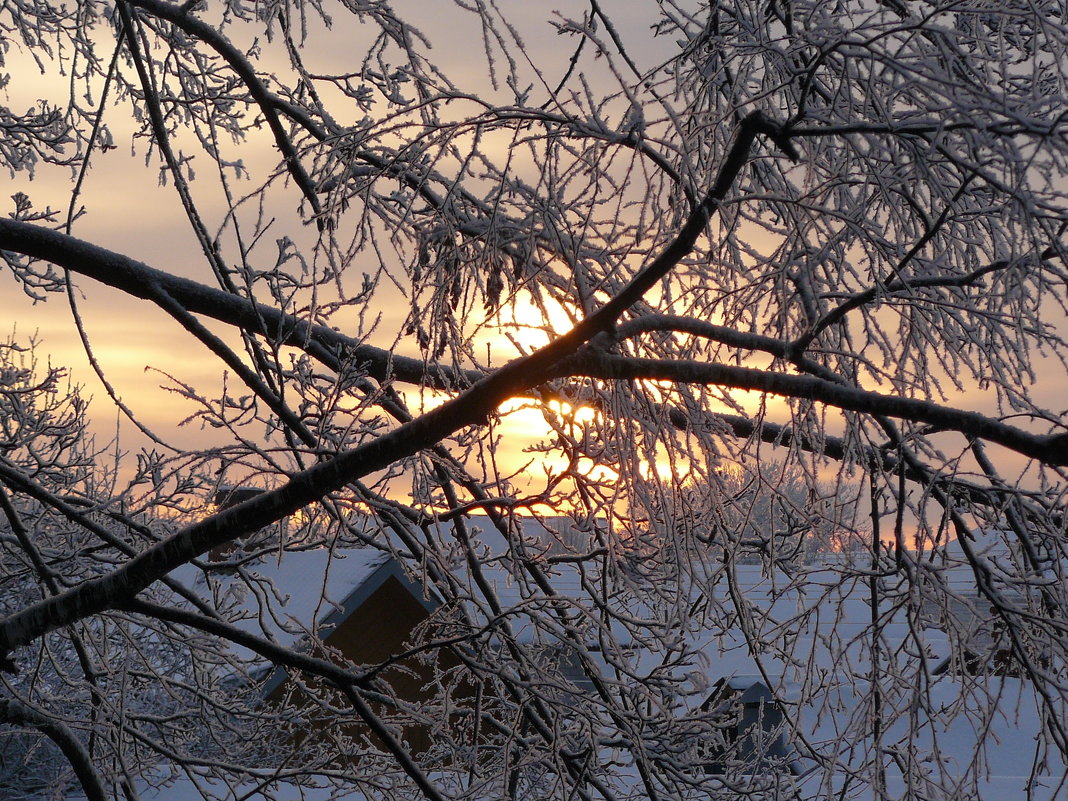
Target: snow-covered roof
[[983, 542], [288, 595], [818, 626], [748, 688], [185, 788]]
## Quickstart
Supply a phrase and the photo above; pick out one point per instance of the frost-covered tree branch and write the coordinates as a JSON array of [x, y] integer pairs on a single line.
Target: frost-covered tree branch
[[609, 366]]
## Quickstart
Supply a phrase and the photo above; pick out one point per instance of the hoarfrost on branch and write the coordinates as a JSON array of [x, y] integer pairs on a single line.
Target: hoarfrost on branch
[[779, 285]]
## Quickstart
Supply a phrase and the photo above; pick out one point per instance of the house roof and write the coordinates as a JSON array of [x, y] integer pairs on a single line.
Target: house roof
[[185, 788], [826, 619], [290, 595], [750, 689]]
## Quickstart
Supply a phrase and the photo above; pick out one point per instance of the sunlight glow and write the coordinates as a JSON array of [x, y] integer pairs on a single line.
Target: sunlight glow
[[527, 324]]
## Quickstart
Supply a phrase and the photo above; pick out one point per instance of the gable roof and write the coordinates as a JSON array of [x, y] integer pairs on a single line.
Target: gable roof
[[293, 595]]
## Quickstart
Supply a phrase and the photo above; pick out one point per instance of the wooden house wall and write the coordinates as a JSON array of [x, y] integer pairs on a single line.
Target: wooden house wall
[[382, 627]]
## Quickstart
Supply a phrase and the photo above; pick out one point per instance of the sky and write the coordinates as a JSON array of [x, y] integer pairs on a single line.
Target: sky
[[131, 212]]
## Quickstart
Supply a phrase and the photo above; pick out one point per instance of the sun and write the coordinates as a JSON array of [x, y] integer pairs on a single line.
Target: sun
[[525, 323]]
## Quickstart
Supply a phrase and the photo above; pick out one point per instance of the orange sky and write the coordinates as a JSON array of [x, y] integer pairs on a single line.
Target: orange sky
[[130, 212]]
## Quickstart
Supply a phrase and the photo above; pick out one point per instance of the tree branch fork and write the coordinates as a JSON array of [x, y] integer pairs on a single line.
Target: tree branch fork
[[567, 356]]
